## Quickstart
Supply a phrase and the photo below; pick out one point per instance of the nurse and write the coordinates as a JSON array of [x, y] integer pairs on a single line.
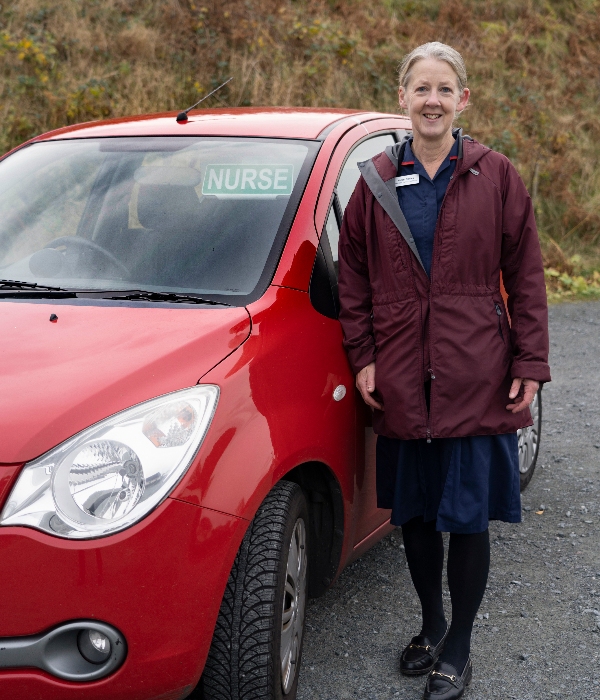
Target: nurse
[[432, 223]]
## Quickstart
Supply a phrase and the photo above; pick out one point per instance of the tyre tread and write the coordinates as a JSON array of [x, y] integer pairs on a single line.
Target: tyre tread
[[240, 661]]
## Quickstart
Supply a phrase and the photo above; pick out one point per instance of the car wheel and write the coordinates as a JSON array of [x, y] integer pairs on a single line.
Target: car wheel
[[257, 643], [529, 442]]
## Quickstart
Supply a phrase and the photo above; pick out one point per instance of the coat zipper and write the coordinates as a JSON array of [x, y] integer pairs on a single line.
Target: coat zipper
[[432, 375], [435, 237], [424, 404]]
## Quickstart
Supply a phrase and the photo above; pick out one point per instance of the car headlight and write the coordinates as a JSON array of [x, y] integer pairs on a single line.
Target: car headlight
[[112, 474]]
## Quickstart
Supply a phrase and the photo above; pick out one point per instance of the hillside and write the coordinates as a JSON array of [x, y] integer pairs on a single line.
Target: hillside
[[533, 69]]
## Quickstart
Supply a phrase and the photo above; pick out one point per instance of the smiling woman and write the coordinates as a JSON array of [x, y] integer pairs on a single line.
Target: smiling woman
[[450, 383], [433, 89]]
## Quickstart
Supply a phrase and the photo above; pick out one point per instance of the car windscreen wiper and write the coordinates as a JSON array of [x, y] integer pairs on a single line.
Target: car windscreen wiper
[[34, 290], [14, 285], [145, 295]]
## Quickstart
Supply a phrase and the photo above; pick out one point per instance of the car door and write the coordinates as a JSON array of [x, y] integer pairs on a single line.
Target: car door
[[367, 517]]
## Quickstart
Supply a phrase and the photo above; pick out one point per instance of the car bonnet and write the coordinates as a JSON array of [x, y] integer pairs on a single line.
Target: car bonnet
[[59, 376]]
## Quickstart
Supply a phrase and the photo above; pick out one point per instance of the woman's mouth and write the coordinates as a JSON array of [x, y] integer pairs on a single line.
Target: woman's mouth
[[432, 116]]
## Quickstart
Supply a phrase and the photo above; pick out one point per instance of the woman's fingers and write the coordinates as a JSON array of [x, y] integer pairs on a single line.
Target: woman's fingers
[[531, 389], [370, 401], [520, 403], [514, 388], [365, 383]]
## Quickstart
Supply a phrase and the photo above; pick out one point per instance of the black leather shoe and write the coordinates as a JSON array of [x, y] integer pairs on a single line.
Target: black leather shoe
[[444, 683], [420, 655]]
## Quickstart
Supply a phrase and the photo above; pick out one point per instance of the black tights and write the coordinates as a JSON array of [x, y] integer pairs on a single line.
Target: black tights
[[468, 567]]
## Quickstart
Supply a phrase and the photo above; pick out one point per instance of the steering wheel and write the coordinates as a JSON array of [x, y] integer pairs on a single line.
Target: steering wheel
[[90, 245]]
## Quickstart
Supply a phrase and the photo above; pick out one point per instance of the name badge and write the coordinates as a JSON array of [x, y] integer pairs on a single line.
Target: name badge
[[407, 180]]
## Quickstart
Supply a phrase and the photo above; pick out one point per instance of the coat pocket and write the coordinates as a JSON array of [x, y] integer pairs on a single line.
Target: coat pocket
[[499, 313]]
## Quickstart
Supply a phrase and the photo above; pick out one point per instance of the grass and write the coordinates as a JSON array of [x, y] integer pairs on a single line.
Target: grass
[[533, 68]]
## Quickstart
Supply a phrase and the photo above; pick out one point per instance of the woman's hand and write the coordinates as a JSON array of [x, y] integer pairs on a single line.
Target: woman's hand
[[365, 383], [530, 388]]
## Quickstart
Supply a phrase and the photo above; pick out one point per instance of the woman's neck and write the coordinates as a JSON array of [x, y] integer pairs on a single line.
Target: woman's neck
[[432, 153]]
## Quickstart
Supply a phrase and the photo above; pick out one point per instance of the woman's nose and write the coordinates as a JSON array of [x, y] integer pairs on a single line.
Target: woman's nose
[[433, 99]]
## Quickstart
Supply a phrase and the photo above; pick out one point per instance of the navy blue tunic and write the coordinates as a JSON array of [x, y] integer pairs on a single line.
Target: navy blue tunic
[[461, 483], [421, 203]]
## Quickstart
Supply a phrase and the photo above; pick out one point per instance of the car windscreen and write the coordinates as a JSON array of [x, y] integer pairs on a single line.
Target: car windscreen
[[207, 216]]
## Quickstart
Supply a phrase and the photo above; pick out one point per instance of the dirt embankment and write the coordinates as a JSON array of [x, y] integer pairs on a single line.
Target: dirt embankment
[[533, 67]]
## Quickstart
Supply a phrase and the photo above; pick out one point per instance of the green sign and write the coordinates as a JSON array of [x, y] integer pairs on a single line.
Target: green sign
[[233, 179]]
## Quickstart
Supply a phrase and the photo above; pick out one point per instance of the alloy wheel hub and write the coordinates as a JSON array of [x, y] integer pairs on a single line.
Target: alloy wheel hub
[[294, 600], [528, 439]]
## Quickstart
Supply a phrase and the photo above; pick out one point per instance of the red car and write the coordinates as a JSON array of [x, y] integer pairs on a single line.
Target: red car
[[184, 457]]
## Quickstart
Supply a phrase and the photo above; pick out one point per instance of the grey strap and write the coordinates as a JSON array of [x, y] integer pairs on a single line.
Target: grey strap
[[385, 193]]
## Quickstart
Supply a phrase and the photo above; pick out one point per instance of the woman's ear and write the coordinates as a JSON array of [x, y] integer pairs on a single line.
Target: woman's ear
[[402, 97], [464, 100]]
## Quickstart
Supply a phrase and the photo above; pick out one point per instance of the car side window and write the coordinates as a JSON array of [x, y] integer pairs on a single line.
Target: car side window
[[323, 284], [332, 229], [350, 173]]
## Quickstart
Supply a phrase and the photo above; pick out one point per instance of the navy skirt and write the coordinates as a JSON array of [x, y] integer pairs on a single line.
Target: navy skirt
[[461, 483]]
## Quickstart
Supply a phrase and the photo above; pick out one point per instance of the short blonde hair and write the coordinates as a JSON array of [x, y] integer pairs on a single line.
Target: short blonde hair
[[433, 49]]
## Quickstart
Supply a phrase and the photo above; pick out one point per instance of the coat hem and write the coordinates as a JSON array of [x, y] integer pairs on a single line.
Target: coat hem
[[438, 436]]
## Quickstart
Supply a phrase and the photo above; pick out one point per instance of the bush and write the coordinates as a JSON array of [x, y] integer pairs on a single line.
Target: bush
[[533, 68]]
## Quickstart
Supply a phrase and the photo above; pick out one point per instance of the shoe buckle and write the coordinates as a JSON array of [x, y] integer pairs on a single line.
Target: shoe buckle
[[452, 678], [418, 646]]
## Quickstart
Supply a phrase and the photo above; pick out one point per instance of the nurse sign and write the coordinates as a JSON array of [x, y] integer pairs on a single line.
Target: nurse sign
[[246, 179]]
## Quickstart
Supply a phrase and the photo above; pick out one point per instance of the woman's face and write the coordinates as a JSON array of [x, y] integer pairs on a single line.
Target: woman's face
[[432, 98]]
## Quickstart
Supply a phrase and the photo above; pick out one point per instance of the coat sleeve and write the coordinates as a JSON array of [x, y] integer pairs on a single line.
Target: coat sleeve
[[353, 283], [523, 275]]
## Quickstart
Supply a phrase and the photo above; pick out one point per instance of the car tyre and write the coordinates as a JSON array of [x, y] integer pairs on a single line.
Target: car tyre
[[257, 643], [529, 442]]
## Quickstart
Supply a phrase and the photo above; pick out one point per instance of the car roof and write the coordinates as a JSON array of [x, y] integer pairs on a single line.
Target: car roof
[[277, 122]]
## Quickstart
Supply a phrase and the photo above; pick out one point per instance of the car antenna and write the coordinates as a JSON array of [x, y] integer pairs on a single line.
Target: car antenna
[[183, 116]]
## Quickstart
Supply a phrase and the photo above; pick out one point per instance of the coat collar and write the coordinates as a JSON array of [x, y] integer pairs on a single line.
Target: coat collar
[[469, 152], [380, 174]]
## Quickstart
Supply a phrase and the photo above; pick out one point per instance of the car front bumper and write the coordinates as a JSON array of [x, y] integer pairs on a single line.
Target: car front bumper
[[160, 583]]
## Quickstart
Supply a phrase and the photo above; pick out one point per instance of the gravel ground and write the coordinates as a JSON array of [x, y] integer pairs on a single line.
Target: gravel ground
[[538, 630]]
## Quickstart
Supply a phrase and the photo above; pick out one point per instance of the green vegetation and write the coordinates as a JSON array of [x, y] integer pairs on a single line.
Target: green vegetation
[[533, 67]]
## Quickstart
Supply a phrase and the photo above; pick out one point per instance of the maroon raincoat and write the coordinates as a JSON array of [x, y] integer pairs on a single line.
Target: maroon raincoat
[[446, 327]]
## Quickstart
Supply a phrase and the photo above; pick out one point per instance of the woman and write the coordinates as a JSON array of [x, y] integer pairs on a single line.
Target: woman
[[430, 226]]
